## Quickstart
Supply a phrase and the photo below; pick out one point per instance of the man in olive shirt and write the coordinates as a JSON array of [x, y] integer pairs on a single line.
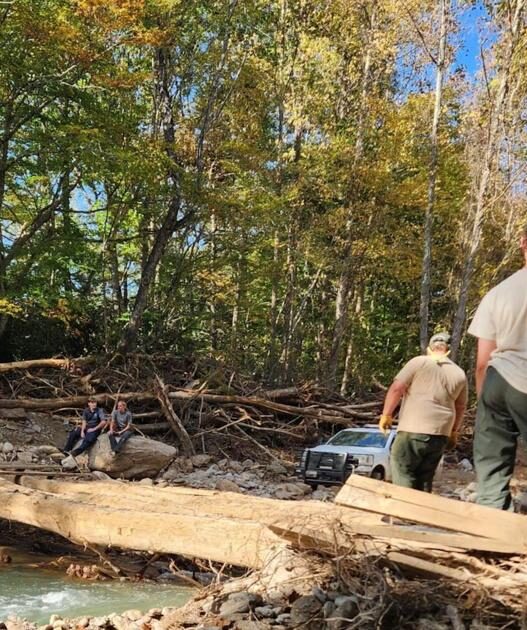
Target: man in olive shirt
[[500, 324], [434, 393]]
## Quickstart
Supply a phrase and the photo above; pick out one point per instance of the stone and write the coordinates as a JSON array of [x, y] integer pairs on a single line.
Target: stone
[[319, 593], [45, 449], [227, 486], [133, 615], [69, 463], [465, 465], [101, 476], [304, 610], [46, 626], [140, 457], [7, 447], [83, 622], [200, 460], [276, 468], [328, 609], [247, 464], [25, 457], [54, 618], [251, 624], [345, 610], [237, 603], [235, 466], [162, 483], [266, 612], [284, 618], [146, 482], [98, 622]]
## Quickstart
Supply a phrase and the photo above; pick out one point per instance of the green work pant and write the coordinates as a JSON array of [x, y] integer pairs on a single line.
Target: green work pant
[[414, 459], [501, 418]]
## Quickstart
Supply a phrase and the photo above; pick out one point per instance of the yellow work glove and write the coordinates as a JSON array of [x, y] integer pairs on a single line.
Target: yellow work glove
[[452, 440], [385, 423]]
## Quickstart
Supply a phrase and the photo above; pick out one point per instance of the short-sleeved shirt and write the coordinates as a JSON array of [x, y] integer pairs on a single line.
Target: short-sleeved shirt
[[121, 419], [502, 317], [92, 419], [433, 388]]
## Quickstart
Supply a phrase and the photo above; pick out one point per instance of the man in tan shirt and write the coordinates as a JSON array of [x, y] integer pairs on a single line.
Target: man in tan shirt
[[500, 324], [434, 393]]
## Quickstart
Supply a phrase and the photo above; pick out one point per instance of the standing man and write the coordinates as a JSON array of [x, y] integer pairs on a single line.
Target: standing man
[[120, 426], [500, 324], [434, 393], [93, 422]]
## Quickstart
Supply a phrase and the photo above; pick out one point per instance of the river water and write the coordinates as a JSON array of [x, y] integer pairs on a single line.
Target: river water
[[35, 594]]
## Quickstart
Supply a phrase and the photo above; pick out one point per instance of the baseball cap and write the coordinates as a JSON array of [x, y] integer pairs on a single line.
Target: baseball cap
[[440, 337]]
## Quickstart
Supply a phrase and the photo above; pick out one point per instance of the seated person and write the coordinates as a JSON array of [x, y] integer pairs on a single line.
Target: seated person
[[120, 426], [93, 422]]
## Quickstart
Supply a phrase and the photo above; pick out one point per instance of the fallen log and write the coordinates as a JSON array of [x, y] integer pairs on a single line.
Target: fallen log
[[172, 418], [344, 524], [72, 401], [241, 543], [220, 399], [58, 364]]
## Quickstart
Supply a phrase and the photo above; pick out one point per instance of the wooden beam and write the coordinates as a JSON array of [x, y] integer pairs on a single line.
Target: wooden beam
[[421, 507]]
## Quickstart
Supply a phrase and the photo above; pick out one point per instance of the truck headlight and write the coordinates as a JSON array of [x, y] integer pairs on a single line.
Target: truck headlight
[[365, 460]]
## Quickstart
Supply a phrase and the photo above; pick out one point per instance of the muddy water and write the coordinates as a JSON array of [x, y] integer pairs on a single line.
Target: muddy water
[[35, 594]]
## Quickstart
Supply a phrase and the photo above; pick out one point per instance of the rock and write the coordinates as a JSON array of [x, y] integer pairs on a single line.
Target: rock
[[236, 466], [25, 457], [305, 610], [200, 460], [227, 486], [241, 602], [7, 447], [346, 609], [54, 618], [146, 482], [328, 609], [46, 626], [276, 468], [140, 457], [101, 476], [69, 463], [133, 615], [284, 618], [247, 464], [249, 624], [465, 465], [98, 622], [45, 449], [319, 593], [265, 612], [162, 483], [83, 622]]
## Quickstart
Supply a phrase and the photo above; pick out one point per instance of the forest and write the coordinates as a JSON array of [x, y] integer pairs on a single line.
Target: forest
[[296, 188]]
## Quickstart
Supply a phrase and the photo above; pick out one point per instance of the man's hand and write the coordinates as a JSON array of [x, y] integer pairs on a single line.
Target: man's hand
[[452, 440], [83, 435], [385, 423]]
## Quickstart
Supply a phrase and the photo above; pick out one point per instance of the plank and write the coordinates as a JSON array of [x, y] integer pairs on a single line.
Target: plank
[[421, 507]]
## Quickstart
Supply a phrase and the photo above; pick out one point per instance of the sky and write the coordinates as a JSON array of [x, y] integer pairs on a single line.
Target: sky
[[471, 24]]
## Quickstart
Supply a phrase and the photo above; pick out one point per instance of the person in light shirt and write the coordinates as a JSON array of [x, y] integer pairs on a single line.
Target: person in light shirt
[[433, 390], [500, 324]]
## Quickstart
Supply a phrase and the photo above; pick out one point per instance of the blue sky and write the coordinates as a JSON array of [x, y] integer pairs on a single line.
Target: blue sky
[[471, 23]]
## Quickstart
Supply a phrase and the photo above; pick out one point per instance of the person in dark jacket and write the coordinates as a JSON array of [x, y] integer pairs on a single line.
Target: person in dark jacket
[[93, 422]]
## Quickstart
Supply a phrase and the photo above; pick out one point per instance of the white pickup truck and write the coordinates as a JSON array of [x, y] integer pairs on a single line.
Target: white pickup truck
[[363, 451]]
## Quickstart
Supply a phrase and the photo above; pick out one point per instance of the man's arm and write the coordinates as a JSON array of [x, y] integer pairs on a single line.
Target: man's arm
[[83, 428], [393, 397], [485, 349]]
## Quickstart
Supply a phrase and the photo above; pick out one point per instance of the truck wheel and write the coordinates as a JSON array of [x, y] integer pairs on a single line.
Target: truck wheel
[[378, 473]]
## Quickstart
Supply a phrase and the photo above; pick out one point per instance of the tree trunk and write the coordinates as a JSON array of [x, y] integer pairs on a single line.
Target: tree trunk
[[489, 161], [171, 221], [426, 279]]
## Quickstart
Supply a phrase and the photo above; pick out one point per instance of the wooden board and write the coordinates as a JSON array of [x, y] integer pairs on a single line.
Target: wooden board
[[421, 507]]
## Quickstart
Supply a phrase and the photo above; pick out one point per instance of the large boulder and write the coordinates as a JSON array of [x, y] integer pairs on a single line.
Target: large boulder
[[140, 457]]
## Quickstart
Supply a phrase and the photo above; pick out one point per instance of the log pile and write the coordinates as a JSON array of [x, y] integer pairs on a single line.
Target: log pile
[[201, 407]]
